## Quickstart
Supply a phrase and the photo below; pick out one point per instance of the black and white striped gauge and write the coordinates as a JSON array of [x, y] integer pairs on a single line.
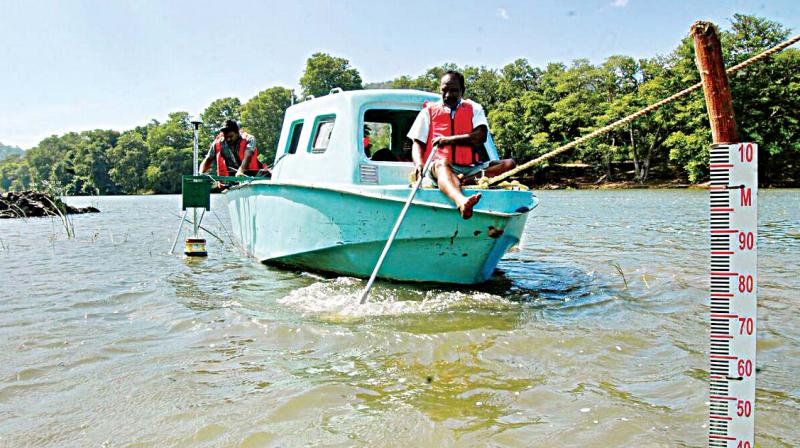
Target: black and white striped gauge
[[734, 233]]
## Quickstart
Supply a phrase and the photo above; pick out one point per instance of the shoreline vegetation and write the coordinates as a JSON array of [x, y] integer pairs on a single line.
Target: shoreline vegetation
[[531, 110]]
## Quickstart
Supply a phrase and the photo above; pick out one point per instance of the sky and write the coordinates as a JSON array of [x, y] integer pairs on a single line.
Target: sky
[[76, 65]]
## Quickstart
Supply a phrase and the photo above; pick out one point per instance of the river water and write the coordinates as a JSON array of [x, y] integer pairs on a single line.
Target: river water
[[107, 340]]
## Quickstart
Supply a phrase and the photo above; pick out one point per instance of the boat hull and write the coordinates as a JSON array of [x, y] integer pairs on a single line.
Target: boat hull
[[343, 230]]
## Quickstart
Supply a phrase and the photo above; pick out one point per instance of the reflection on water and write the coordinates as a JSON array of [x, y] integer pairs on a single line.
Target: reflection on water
[[593, 333]]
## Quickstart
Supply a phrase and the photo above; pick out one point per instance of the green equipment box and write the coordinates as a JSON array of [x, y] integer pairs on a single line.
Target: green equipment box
[[196, 191]]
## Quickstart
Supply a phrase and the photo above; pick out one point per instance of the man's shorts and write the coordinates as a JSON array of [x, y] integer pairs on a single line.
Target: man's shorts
[[465, 170]]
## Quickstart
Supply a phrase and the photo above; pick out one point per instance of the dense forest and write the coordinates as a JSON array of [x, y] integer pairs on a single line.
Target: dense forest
[[531, 110]]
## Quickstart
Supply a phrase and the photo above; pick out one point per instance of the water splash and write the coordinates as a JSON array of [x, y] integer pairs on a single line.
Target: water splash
[[339, 297]]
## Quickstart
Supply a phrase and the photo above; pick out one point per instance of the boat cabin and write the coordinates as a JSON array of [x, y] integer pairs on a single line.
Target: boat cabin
[[355, 137]]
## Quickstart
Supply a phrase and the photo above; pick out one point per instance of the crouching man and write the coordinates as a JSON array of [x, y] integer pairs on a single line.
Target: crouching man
[[234, 151]]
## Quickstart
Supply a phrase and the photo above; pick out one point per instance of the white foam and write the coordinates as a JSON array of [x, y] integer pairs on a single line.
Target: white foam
[[340, 297]]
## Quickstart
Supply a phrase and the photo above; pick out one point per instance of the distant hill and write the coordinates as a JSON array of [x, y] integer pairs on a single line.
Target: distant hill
[[6, 151]]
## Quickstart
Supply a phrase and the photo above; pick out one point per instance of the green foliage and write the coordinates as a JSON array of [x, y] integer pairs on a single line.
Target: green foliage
[[214, 118], [91, 164], [262, 116], [77, 162], [167, 165], [324, 72], [483, 85], [516, 78], [15, 174], [170, 146], [176, 132], [131, 158]]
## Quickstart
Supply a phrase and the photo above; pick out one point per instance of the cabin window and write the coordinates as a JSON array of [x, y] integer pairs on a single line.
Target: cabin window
[[322, 134], [294, 136], [385, 134]]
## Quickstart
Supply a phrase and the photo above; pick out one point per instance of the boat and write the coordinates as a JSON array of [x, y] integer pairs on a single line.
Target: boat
[[339, 181]]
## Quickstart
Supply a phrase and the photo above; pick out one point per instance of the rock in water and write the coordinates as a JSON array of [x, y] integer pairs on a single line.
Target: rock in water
[[32, 204]]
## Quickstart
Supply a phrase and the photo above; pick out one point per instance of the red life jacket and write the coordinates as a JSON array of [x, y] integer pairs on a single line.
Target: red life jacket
[[442, 125], [222, 167]]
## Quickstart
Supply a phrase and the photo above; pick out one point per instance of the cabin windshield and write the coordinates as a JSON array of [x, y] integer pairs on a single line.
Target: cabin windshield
[[385, 134]]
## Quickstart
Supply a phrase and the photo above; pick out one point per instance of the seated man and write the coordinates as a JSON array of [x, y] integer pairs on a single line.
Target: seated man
[[242, 161], [459, 128]]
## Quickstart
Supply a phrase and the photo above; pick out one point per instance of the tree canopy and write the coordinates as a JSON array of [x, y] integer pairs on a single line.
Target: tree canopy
[[262, 116], [215, 116], [323, 72]]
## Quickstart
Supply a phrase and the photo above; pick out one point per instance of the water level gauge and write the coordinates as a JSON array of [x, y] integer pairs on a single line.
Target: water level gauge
[[734, 221]]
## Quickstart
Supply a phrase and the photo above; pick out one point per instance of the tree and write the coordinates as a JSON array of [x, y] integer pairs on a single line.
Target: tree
[[579, 101], [130, 159], [482, 86], [176, 132], [519, 126], [167, 166], [214, 117], [517, 78], [14, 174], [324, 72], [51, 161], [262, 116], [91, 164], [170, 148]]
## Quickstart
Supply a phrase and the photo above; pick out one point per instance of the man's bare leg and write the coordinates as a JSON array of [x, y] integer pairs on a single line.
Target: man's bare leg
[[451, 187]]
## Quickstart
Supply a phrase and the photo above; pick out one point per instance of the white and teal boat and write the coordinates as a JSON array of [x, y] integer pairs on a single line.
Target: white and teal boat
[[330, 207]]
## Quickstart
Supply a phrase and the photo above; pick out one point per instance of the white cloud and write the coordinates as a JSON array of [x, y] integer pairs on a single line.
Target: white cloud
[[619, 3], [503, 13]]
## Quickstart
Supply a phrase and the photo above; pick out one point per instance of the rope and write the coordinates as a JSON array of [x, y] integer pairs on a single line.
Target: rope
[[486, 182]]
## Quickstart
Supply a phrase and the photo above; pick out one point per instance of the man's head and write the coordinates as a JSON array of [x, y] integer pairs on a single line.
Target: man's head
[[452, 88], [231, 131]]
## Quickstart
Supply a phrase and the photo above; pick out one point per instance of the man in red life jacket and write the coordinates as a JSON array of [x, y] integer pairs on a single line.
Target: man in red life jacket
[[234, 151], [459, 127]]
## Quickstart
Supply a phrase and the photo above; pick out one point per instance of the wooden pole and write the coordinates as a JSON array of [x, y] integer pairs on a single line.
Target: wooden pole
[[708, 52]]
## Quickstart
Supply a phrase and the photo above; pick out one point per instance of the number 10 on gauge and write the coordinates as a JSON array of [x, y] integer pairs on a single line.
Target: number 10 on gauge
[[734, 233]]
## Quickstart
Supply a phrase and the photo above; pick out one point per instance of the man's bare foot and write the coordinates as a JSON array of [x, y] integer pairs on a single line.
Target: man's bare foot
[[469, 203]]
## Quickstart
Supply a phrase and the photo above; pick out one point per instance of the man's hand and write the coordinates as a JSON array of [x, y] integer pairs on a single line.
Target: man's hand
[[239, 172], [441, 141]]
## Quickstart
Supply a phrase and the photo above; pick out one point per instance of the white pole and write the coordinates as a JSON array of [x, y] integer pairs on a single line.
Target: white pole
[[194, 172], [396, 228], [178, 235]]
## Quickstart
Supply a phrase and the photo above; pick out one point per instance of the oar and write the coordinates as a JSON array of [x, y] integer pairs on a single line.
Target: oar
[[399, 221]]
